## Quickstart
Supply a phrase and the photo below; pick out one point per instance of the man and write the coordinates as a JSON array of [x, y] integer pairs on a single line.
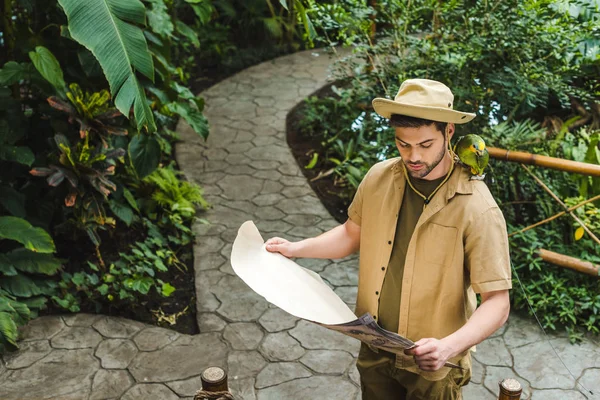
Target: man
[[429, 238]]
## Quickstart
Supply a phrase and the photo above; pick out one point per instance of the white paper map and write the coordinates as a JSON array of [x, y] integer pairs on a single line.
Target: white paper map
[[302, 293]]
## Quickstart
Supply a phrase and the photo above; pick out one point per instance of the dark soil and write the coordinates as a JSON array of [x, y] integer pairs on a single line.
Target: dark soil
[[335, 197]]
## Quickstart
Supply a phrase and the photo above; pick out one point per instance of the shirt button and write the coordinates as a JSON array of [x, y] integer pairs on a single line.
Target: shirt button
[[389, 242], [377, 293], [383, 268], [374, 316]]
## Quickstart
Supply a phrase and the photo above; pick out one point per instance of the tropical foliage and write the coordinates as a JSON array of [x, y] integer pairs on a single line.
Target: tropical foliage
[[89, 91], [529, 69]]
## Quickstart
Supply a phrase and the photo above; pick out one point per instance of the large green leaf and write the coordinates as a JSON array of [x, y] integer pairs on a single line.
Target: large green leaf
[[21, 286], [37, 263], [192, 116], [159, 19], [48, 66], [8, 329], [123, 212], [144, 152], [187, 32], [12, 72], [13, 201], [106, 28], [6, 267], [20, 154], [35, 239]]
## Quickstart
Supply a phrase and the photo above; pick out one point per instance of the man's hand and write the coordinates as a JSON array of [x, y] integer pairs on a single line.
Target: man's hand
[[430, 354], [279, 245]]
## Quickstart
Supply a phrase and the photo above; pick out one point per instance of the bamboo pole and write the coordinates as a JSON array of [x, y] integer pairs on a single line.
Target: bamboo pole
[[559, 201], [573, 263], [560, 214], [545, 161]]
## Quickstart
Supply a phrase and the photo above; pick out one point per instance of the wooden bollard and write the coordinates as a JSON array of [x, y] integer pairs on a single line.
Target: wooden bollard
[[510, 389], [214, 385]]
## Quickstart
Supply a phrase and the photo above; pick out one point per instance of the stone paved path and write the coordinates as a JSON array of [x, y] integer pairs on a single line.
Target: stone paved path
[[248, 173]]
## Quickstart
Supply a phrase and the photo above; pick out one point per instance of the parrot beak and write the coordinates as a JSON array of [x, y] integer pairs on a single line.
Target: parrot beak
[[479, 152]]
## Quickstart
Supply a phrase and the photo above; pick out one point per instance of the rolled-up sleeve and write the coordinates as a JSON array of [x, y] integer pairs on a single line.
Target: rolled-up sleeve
[[487, 255]]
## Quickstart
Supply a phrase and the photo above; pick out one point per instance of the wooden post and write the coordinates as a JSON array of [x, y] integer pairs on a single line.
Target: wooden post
[[510, 389], [545, 161], [569, 262], [214, 385]]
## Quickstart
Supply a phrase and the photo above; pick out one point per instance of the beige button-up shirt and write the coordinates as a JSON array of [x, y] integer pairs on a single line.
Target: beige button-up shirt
[[459, 248]]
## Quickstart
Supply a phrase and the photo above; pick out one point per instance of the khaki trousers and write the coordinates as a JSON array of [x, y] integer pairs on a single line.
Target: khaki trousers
[[381, 380]]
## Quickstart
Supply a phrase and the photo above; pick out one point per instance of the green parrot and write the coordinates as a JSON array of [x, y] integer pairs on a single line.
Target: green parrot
[[471, 152]]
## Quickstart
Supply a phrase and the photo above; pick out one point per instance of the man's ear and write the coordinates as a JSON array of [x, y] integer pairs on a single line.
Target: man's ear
[[451, 129]]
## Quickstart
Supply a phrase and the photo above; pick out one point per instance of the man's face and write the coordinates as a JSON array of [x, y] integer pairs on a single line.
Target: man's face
[[422, 151]]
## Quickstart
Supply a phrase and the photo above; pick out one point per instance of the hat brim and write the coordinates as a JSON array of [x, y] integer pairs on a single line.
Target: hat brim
[[387, 107]]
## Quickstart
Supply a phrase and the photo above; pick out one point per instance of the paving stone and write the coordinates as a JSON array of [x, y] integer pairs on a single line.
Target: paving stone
[[305, 231], [229, 217], [264, 101], [244, 136], [303, 205], [242, 389], [353, 373], [203, 229], [239, 147], [41, 328], [302, 219], [269, 214], [316, 387], [271, 187], [347, 293], [577, 356], [270, 175], [241, 187], [497, 374], [262, 141], [314, 264], [276, 320], [110, 384], [477, 370], [270, 152], [212, 166], [81, 319], [215, 154], [298, 181], [327, 361], [493, 352], [227, 269], [76, 338], [204, 261], [186, 387], [591, 380], [238, 302], [208, 244], [276, 373], [273, 226], [500, 331], [477, 392], [296, 191], [182, 359], [113, 327], [314, 337], [61, 373], [245, 364], [150, 391], [210, 178], [116, 353], [154, 338], [264, 200], [341, 275], [242, 205], [537, 363], [241, 161], [557, 394], [209, 322], [28, 353], [243, 335], [290, 168], [520, 332], [281, 347], [226, 251], [265, 165]]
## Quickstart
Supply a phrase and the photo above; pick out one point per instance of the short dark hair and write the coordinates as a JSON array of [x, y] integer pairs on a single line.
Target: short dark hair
[[404, 121]]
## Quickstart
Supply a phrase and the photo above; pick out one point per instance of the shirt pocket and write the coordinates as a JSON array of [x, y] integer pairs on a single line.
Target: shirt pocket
[[438, 244]]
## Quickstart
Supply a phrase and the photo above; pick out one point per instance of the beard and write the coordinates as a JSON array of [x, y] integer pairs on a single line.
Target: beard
[[428, 167]]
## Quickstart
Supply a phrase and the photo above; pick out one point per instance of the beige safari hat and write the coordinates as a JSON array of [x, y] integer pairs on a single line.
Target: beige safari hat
[[422, 98]]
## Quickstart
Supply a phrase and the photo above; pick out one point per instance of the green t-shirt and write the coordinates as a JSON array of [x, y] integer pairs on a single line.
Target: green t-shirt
[[410, 211]]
